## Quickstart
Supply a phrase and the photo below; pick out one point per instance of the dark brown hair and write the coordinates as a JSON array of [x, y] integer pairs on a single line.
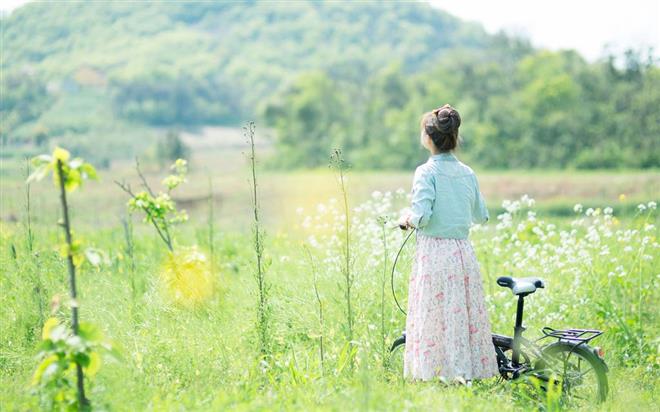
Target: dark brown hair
[[441, 125]]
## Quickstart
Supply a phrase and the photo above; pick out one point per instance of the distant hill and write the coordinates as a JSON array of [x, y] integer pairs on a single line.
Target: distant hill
[[191, 63], [106, 78]]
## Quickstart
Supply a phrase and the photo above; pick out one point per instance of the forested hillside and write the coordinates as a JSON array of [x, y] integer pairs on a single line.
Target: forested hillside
[[103, 75]]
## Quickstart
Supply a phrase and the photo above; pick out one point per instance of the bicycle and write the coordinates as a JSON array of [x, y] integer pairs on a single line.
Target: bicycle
[[569, 361]]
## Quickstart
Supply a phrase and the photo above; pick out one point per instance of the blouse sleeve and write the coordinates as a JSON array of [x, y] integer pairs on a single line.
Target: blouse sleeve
[[479, 210], [423, 195]]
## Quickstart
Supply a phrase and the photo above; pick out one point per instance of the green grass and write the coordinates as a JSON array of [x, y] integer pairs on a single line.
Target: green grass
[[206, 357]]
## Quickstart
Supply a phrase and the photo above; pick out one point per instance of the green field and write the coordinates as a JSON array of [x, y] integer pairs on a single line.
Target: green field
[[202, 354], [193, 315]]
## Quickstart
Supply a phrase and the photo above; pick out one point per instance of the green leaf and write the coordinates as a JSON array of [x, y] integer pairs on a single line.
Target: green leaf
[[48, 327], [72, 179], [88, 171], [61, 154], [94, 364], [41, 369], [89, 332], [39, 173], [82, 358]]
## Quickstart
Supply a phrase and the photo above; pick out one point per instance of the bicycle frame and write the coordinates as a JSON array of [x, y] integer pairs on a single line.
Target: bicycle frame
[[515, 367]]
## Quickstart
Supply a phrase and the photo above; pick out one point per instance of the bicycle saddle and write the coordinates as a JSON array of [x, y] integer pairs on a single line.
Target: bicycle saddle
[[520, 285]]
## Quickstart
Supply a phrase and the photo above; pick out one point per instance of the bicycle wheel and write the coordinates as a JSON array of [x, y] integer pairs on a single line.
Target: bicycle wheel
[[582, 374], [395, 360]]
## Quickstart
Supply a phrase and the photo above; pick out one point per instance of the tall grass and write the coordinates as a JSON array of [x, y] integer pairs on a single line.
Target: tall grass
[[29, 246], [129, 250], [263, 310], [319, 302], [338, 162]]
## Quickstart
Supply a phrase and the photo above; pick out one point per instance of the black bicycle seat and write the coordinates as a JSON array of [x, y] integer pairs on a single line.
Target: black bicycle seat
[[521, 285]]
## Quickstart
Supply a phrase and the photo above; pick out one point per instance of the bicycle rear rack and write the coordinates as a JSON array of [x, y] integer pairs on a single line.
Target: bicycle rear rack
[[571, 335]]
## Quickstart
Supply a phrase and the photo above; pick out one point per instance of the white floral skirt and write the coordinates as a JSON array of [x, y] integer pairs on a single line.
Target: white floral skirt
[[448, 333]]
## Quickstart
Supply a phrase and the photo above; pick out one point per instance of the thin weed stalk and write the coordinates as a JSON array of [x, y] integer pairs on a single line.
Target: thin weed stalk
[[319, 303], [262, 304], [129, 250], [211, 225], [29, 243], [29, 235], [337, 161], [383, 333]]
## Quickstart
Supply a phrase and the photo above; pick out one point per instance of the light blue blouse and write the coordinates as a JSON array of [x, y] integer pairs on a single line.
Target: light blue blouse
[[445, 198]]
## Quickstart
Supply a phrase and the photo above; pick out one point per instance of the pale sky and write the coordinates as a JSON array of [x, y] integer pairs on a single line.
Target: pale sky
[[585, 25]]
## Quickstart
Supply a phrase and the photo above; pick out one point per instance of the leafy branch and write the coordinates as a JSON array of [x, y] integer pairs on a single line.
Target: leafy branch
[[159, 209]]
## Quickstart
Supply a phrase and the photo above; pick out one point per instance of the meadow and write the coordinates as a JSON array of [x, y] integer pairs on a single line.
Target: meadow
[[591, 235]]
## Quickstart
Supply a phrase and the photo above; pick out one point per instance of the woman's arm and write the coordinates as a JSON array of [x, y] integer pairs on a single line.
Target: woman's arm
[[423, 195], [479, 209]]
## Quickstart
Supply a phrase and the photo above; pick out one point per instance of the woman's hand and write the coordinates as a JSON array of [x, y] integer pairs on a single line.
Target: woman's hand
[[404, 222]]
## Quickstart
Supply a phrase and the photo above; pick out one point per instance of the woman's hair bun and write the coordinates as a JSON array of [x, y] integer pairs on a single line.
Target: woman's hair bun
[[442, 125], [447, 119]]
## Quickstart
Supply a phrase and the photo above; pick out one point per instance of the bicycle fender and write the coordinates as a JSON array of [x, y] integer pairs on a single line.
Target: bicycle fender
[[571, 346]]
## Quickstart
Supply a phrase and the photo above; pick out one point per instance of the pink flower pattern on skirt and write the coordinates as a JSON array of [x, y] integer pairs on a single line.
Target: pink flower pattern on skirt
[[448, 333]]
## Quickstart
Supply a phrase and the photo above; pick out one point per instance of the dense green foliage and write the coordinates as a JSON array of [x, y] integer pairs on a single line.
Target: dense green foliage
[[520, 109], [104, 75]]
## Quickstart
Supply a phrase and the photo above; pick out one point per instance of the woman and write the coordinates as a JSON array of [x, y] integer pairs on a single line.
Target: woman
[[448, 332]]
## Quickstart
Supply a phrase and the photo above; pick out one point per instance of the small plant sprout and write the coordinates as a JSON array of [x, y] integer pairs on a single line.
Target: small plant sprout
[[339, 164], [68, 175], [62, 354], [263, 310]]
